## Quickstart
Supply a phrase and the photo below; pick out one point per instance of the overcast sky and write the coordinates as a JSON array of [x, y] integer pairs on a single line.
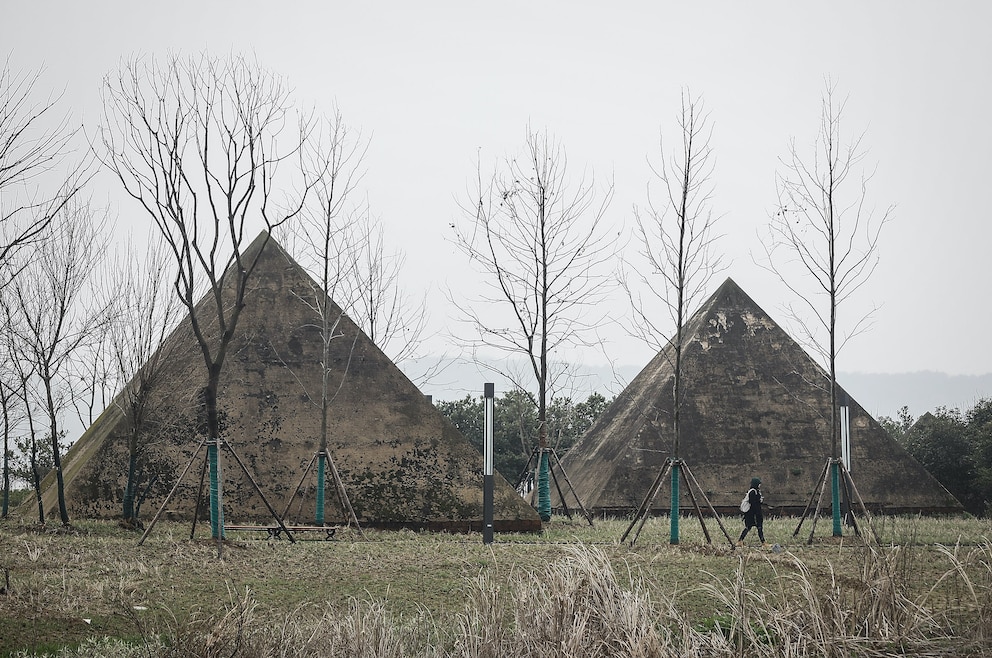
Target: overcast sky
[[433, 83]]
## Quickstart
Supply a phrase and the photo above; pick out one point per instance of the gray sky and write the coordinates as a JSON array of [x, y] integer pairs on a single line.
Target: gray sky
[[432, 83]]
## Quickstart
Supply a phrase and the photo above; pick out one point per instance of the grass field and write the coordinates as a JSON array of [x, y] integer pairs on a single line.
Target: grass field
[[926, 589]]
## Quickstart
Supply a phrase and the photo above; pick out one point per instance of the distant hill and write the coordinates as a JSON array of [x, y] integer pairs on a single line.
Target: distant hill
[[881, 394], [456, 378]]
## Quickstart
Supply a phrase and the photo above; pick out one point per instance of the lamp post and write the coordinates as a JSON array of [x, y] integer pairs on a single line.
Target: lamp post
[[487, 466]]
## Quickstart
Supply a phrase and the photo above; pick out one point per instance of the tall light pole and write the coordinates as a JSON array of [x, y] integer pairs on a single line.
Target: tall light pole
[[487, 466]]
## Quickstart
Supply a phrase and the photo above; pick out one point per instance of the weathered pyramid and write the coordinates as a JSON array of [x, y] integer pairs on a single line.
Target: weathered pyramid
[[755, 404], [402, 462]]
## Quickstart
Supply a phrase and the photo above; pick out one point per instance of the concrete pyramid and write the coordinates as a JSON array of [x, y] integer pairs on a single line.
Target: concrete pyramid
[[755, 404], [402, 462]]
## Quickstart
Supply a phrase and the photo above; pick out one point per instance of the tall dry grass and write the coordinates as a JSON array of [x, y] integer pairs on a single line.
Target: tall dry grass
[[580, 606], [970, 572], [591, 600], [576, 607]]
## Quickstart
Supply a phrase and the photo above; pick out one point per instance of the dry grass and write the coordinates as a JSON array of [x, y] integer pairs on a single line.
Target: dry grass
[[927, 590]]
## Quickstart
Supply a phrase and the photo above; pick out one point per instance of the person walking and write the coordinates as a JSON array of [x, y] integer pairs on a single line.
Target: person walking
[[753, 518]]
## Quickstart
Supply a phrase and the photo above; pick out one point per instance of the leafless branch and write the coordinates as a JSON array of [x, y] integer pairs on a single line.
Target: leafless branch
[[676, 239], [822, 243], [37, 180], [543, 245]]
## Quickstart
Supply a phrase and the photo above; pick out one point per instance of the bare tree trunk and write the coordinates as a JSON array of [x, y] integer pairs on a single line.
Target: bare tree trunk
[[35, 474], [5, 402], [128, 513], [53, 424], [215, 453]]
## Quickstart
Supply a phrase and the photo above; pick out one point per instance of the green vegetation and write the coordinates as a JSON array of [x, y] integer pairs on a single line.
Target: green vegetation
[[515, 431], [571, 591], [955, 448]]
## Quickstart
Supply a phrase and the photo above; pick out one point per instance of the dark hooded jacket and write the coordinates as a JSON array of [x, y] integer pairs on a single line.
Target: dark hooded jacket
[[754, 516]]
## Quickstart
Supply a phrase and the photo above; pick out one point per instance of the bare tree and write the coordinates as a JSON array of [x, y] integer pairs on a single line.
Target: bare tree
[[332, 244], [144, 311], [199, 143], [343, 245], [677, 262], [34, 460], [542, 245], [8, 395], [36, 181], [824, 236], [50, 297]]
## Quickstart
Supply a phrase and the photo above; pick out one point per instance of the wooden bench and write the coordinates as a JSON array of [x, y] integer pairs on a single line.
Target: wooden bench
[[275, 532]]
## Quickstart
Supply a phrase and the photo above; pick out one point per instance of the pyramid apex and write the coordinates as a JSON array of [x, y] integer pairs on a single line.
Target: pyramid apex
[[729, 283], [729, 294], [260, 241]]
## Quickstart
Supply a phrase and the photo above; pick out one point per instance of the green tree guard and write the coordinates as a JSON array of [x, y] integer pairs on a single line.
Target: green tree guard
[[544, 488], [321, 461], [216, 501], [674, 512], [835, 495]]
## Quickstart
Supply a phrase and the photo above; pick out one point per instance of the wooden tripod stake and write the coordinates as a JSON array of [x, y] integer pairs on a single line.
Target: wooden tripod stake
[[644, 509], [346, 506], [556, 462], [849, 489], [221, 443]]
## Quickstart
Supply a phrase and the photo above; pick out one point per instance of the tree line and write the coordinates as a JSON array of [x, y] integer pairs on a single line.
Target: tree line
[[515, 421], [954, 447]]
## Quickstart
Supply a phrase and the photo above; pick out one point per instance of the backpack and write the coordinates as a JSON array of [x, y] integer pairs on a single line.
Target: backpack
[[746, 502]]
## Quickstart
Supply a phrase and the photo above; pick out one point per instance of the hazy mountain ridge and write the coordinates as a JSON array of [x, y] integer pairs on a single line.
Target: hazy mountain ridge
[[881, 394]]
